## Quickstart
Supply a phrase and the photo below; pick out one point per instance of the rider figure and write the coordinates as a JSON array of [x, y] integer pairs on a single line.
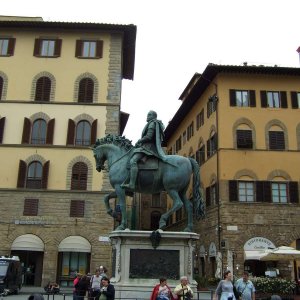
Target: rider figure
[[148, 145]]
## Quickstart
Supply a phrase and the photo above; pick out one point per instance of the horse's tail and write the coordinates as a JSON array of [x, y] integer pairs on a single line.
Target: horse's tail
[[197, 195]]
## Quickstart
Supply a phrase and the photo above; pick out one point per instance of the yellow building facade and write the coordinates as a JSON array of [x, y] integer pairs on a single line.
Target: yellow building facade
[[241, 123], [60, 89]]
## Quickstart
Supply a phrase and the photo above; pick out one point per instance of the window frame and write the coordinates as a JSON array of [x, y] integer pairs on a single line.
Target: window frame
[[276, 140], [248, 198], [77, 208], [79, 183], [279, 185], [79, 51], [31, 206], [10, 48], [244, 139], [39, 48]]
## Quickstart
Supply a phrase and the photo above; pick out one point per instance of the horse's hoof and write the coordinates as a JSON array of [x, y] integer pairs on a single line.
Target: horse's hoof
[[120, 227], [110, 212], [162, 225]]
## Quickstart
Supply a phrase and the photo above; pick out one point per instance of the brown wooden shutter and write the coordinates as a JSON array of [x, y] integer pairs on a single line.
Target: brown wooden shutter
[[233, 192], [79, 176], [43, 89], [1, 87], [77, 208], [207, 198], [86, 90], [263, 191], [294, 192], [22, 174], [208, 148], [99, 49], [26, 131], [45, 174], [94, 132], [71, 132], [31, 207], [78, 49], [57, 49], [232, 98], [37, 47], [267, 191], [263, 99], [252, 98], [294, 100], [11, 46], [2, 125], [276, 140], [283, 100], [50, 132]]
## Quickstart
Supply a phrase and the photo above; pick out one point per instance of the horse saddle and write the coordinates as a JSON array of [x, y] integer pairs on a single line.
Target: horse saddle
[[146, 163]]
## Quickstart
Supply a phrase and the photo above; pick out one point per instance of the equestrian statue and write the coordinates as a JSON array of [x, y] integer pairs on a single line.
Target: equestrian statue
[[146, 169]]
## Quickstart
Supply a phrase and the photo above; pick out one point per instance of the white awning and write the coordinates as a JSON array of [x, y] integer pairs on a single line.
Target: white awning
[[28, 242], [254, 254], [74, 244]]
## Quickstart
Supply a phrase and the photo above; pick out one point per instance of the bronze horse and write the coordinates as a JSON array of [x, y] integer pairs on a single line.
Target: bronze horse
[[172, 176]]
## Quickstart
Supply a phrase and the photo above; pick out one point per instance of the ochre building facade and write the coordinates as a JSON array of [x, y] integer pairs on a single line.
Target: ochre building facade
[[60, 89]]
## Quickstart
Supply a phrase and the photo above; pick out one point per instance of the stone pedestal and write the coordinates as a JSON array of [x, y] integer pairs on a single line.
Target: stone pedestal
[[140, 258]]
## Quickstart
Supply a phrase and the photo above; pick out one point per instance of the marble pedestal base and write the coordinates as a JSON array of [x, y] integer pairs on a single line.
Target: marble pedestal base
[[139, 261]]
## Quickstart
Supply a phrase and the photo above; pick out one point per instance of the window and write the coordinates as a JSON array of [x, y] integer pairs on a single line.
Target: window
[[79, 176], [86, 90], [200, 119], [246, 191], [38, 132], [89, 49], [190, 131], [38, 135], [184, 137], [273, 99], [242, 98], [212, 145], [178, 144], [7, 46], [279, 192], [2, 124], [295, 97], [200, 155], [276, 140], [31, 207], [34, 175], [244, 139], [211, 195], [77, 208], [156, 200], [82, 133], [47, 47], [43, 89]]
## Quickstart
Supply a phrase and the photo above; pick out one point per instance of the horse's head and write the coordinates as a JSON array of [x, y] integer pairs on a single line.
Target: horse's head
[[100, 158]]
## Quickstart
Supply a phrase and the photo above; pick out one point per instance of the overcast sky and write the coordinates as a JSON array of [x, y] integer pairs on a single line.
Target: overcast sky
[[177, 38]]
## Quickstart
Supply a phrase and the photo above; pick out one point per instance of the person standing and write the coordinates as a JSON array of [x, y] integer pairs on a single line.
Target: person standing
[[107, 290], [148, 145], [224, 289], [183, 290], [245, 287], [161, 291], [95, 284], [76, 280], [82, 287]]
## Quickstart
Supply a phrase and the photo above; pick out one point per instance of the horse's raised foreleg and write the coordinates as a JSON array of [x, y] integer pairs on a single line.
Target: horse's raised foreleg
[[106, 202], [120, 192], [177, 204], [189, 210]]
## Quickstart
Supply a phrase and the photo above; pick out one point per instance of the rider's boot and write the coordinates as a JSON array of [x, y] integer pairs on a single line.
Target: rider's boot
[[133, 175]]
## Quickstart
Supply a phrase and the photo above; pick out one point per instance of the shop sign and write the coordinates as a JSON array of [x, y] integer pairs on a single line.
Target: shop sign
[[258, 243]]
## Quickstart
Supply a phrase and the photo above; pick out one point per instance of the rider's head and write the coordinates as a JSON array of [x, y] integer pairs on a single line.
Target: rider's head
[[151, 115]]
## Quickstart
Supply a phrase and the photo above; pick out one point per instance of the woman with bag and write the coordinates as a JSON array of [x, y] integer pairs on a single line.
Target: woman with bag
[[224, 289], [161, 291]]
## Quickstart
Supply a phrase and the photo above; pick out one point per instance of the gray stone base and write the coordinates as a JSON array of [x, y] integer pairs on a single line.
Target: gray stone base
[[139, 261]]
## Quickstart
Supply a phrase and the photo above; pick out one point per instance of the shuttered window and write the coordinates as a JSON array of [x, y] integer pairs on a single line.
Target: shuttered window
[[31, 207], [244, 139], [77, 208], [276, 140], [47, 48], [43, 89], [89, 49], [295, 98], [79, 176], [273, 99], [200, 155], [212, 145], [242, 98], [2, 125], [86, 90], [1, 87], [7, 46], [83, 133]]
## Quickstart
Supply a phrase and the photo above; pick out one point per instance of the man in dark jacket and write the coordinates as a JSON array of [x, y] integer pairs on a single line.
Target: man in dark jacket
[[148, 145], [107, 290]]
